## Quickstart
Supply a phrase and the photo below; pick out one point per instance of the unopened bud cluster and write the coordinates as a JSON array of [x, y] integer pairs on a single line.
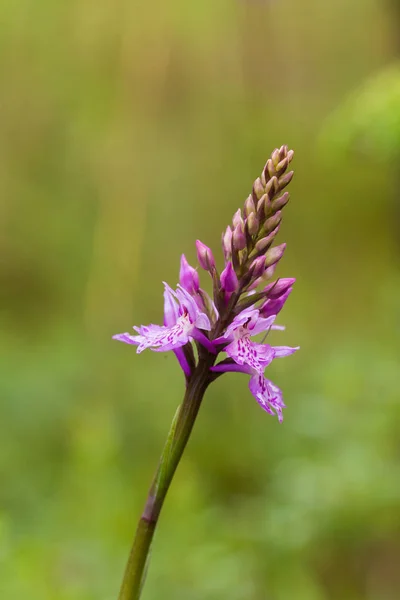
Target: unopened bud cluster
[[247, 242]]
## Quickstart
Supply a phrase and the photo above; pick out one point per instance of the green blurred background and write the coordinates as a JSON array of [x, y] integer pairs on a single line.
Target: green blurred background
[[127, 130]]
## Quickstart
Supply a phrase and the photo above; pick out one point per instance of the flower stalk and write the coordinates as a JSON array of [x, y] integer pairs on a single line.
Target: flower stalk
[[242, 306], [177, 439]]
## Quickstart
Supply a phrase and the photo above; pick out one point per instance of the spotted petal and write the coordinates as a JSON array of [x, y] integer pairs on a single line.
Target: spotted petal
[[245, 352], [240, 320], [281, 351], [267, 394]]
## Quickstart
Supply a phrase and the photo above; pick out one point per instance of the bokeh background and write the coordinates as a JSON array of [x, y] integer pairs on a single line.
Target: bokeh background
[[127, 130]]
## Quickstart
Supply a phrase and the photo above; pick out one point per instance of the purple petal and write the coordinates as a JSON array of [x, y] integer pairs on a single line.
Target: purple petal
[[180, 355], [241, 319], [188, 277], [281, 351], [261, 325], [162, 339], [203, 339], [197, 317], [171, 312], [274, 306], [222, 339], [267, 394], [234, 367], [245, 352], [229, 280], [125, 337]]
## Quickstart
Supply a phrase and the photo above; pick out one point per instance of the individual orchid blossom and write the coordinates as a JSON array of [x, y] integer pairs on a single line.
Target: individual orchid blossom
[[253, 358], [199, 328], [267, 394], [183, 321], [239, 332]]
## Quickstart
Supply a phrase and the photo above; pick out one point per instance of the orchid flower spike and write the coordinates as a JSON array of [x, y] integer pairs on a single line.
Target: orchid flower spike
[[199, 330], [238, 310]]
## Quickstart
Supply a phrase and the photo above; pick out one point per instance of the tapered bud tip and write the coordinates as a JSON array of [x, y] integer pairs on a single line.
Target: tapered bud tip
[[270, 272], [239, 238], [237, 218], [272, 186], [258, 189], [273, 221], [188, 276], [227, 243], [284, 150], [280, 202], [285, 179], [253, 224], [249, 206], [257, 267], [205, 256], [279, 287], [229, 280], [274, 255], [270, 166], [276, 156]]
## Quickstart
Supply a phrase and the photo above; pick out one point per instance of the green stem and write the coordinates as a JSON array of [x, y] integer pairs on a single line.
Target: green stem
[[178, 437]]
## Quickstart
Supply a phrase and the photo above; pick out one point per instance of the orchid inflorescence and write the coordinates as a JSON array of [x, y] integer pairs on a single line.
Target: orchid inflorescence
[[243, 303]]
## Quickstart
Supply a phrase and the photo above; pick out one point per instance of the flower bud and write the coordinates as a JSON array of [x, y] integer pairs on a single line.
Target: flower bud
[[239, 238], [229, 280], [258, 189], [188, 277], [274, 255], [270, 167], [264, 243], [268, 273], [279, 203], [285, 179], [267, 240], [279, 287], [272, 187], [257, 267], [253, 224], [237, 219], [205, 256], [281, 167], [263, 206], [283, 150], [273, 222], [275, 156], [273, 307], [227, 243], [249, 206]]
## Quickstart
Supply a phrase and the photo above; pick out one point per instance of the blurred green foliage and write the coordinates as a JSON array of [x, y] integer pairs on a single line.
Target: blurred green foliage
[[369, 121], [127, 130]]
